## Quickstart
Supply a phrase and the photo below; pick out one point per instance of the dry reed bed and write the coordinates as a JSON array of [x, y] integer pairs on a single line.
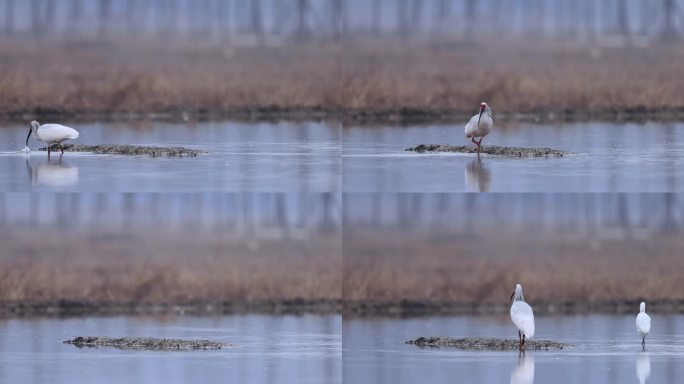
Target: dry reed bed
[[382, 268], [145, 267], [359, 79]]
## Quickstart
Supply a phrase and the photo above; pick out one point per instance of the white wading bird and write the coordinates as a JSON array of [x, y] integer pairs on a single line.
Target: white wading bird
[[51, 134], [480, 125], [643, 323], [522, 316]]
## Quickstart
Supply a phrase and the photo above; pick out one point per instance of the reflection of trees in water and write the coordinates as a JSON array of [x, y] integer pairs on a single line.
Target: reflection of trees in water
[[248, 213], [623, 214], [256, 19]]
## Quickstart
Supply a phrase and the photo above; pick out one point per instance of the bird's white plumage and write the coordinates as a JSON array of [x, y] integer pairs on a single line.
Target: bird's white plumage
[[473, 129], [55, 133], [643, 321], [522, 314]]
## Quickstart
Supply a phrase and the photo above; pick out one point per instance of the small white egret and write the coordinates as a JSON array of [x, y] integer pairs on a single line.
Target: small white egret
[[643, 323], [522, 315], [480, 125], [51, 134]]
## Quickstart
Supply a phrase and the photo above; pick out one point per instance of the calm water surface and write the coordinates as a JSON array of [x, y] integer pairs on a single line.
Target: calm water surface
[[271, 349], [612, 158], [269, 157], [609, 351]]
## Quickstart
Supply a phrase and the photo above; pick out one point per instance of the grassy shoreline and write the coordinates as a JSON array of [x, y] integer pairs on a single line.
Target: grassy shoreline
[[374, 81]]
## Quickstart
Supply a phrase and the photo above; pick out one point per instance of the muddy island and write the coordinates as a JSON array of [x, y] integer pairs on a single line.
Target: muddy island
[[492, 150], [125, 149], [144, 343], [487, 344]]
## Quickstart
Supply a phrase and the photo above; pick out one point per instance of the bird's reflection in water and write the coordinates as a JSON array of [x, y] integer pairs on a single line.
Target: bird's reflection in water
[[524, 372], [477, 176], [53, 173], [643, 367]]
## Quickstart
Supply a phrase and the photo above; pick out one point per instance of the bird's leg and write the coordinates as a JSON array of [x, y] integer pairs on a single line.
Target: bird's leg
[[643, 340], [48, 151], [60, 147], [523, 342], [519, 340]]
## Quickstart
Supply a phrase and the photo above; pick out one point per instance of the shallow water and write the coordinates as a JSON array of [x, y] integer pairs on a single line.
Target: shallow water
[[241, 157], [608, 351], [611, 157], [283, 349]]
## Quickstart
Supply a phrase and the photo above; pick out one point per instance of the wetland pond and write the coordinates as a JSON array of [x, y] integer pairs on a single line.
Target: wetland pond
[[611, 157], [608, 350], [268, 349], [255, 157]]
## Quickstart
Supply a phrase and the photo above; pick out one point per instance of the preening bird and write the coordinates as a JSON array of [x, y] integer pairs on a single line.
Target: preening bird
[[643, 323], [522, 315], [51, 134], [480, 125]]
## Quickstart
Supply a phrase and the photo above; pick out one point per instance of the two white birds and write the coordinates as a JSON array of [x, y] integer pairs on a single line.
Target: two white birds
[[523, 318], [51, 134], [480, 125]]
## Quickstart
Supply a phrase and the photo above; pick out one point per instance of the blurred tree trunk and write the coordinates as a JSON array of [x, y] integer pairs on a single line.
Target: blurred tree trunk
[[339, 19], [376, 16], [302, 19], [130, 12], [104, 13], [590, 19], [470, 14], [279, 16], [670, 10], [623, 18], [440, 17], [224, 15], [257, 21], [416, 15], [9, 17], [35, 18], [402, 18]]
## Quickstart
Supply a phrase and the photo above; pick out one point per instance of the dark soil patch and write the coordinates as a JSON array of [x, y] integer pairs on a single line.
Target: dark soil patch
[[487, 344], [144, 343], [492, 150]]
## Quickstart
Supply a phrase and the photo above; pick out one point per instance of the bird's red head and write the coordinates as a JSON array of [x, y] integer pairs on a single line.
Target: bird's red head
[[483, 106]]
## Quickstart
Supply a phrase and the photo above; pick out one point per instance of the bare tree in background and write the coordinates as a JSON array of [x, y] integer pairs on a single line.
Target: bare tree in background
[[670, 10], [338, 18], [470, 14], [416, 15], [623, 19], [376, 16], [257, 21], [302, 19], [441, 15], [104, 13], [9, 17]]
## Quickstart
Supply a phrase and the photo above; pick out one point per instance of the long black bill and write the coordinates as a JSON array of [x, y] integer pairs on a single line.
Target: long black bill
[[479, 117], [28, 136], [512, 294]]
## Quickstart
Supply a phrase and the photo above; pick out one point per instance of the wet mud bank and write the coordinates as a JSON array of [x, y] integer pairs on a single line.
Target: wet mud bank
[[125, 149], [487, 344], [491, 150], [144, 343]]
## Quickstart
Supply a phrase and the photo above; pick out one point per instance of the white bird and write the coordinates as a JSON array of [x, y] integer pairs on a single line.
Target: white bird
[[51, 134], [480, 125], [522, 315], [643, 323]]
